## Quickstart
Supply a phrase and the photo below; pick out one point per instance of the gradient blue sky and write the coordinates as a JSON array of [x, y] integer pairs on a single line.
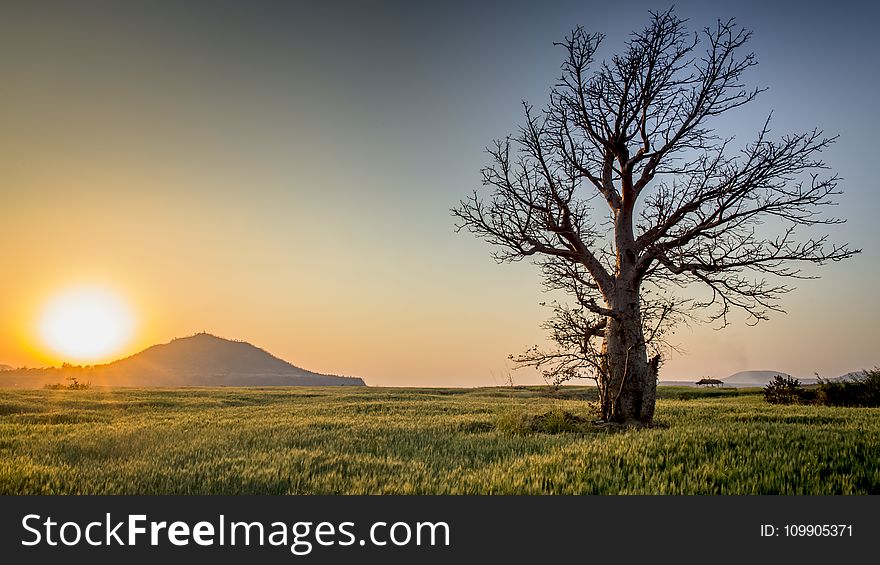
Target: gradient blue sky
[[282, 173]]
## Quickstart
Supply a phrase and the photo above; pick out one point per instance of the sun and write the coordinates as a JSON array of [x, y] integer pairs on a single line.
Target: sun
[[86, 324]]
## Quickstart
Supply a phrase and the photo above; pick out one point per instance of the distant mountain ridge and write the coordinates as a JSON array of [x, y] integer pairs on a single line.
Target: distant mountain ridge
[[748, 379], [6, 367], [198, 360], [757, 378]]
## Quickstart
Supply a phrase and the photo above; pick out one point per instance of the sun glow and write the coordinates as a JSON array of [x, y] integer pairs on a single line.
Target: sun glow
[[86, 324]]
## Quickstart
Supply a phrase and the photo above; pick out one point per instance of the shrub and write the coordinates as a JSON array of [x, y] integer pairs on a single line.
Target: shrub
[[512, 422], [74, 385], [871, 382], [809, 395], [784, 390], [859, 390], [556, 421]]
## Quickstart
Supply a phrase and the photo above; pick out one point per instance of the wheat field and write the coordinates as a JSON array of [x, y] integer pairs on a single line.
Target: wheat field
[[424, 441]]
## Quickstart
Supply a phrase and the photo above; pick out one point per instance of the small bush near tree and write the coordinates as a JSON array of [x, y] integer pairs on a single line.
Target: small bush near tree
[[556, 421]]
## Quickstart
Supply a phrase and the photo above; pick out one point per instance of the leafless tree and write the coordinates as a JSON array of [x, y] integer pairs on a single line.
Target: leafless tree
[[621, 187], [577, 354]]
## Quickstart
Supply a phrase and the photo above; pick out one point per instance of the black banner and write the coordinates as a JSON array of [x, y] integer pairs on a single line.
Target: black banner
[[432, 529]]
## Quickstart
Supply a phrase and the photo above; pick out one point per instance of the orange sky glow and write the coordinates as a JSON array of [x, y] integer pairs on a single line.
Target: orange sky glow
[[220, 175]]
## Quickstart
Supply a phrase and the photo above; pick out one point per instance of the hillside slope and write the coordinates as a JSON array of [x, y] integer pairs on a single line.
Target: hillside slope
[[755, 378], [199, 360]]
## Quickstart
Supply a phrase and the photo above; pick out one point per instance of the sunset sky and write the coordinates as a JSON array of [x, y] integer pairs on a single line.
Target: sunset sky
[[282, 173]]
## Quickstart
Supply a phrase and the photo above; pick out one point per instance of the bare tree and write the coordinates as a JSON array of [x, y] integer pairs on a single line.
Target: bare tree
[[621, 188], [577, 354]]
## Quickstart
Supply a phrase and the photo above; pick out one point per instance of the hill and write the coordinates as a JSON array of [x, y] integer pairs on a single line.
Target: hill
[[752, 378], [762, 378], [199, 360], [6, 367]]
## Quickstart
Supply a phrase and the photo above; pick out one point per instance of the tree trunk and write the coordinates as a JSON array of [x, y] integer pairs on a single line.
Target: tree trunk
[[631, 378]]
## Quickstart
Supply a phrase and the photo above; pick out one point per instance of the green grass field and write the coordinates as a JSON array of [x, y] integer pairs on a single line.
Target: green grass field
[[422, 441]]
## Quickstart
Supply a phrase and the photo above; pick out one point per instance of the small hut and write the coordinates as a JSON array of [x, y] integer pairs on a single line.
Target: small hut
[[710, 382]]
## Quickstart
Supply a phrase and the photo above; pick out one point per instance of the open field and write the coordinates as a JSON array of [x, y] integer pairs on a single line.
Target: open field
[[422, 441]]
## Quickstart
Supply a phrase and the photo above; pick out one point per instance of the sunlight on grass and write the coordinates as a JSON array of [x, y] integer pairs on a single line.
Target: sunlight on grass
[[420, 441]]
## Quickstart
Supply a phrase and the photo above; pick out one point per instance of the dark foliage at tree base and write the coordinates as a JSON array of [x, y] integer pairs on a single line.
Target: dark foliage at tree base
[[556, 421]]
